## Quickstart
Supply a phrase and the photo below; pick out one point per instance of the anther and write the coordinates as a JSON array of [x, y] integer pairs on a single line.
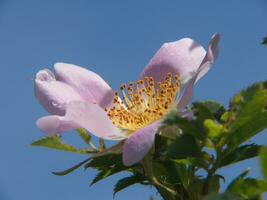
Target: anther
[[123, 86]]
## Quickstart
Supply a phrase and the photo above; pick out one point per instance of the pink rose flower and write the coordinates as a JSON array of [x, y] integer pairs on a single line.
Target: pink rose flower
[[79, 98]]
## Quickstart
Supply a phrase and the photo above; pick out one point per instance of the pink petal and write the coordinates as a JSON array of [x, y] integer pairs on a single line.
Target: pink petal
[[207, 62], [182, 57], [187, 94], [211, 56], [138, 145], [94, 119], [52, 94], [55, 124], [88, 84]]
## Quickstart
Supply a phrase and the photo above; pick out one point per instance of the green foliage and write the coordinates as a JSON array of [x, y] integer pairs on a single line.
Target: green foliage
[[128, 181], [108, 172], [249, 114], [239, 154], [187, 153], [224, 196], [215, 108], [107, 165], [214, 130], [239, 177], [104, 162], [84, 135], [181, 124], [54, 142], [247, 188], [180, 147], [263, 161]]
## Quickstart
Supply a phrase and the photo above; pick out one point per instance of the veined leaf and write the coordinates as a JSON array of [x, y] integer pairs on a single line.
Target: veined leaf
[[181, 147], [249, 108], [54, 142], [263, 161], [215, 108], [187, 126], [167, 173], [196, 162], [248, 188], [223, 196], [208, 110], [239, 177], [128, 181], [104, 162], [108, 172], [241, 153]]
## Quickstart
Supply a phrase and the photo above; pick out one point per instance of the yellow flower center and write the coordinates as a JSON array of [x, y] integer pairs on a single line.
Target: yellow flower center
[[143, 102]]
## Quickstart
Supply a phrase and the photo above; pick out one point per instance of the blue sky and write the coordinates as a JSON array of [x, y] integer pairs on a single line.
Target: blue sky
[[115, 39]]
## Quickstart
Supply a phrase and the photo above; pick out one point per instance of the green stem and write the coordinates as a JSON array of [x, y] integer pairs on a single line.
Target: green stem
[[164, 194], [205, 190], [211, 171]]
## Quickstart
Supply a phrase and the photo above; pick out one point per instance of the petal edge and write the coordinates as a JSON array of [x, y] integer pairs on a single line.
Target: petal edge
[[138, 145]]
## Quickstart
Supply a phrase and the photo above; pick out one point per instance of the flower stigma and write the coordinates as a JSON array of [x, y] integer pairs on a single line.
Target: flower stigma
[[143, 102]]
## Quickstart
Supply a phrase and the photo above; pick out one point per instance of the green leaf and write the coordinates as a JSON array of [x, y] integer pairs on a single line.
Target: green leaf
[[166, 173], [67, 171], [104, 162], [84, 135], [184, 175], [241, 153], [165, 194], [224, 196], [195, 162], [226, 117], [214, 184], [248, 188], [181, 147], [214, 129], [240, 176], [108, 172], [54, 142], [128, 181], [214, 107], [195, 189], [263, 161], [211, 107], [185, 125], [249, 108], [108, 165]]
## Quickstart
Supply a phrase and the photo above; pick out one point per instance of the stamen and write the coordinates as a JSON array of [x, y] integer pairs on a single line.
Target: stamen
[[143, 102]]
